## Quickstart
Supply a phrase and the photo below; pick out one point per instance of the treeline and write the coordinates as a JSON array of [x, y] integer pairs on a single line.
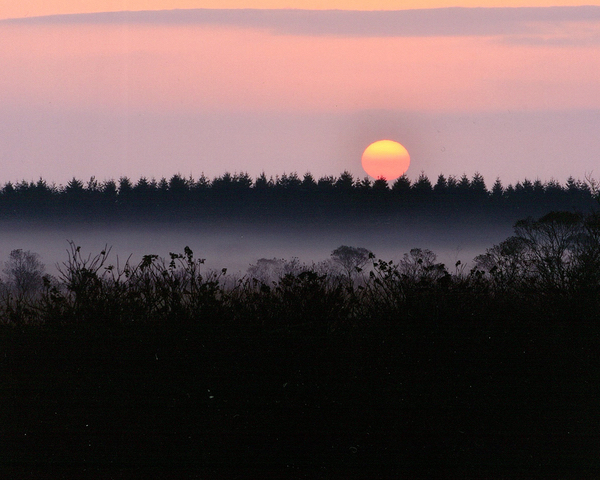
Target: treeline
[[550, 269], [288, 194]]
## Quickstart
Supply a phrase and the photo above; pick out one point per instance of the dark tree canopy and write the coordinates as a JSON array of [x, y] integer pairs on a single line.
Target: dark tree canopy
[[289, 195]]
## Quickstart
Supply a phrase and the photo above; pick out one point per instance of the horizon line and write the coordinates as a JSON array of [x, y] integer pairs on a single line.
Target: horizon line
[[293, 174]]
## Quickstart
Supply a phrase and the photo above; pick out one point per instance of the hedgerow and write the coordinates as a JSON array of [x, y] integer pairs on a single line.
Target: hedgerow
[[549, 270]]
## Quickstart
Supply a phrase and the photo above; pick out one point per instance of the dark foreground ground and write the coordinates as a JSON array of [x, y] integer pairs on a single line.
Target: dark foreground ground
[[188, 402]]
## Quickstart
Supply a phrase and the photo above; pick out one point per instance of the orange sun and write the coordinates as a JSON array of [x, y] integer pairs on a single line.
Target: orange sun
[[386, 159]]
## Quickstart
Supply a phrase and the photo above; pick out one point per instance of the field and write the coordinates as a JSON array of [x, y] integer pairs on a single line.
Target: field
[[356, 368], [511, 401]]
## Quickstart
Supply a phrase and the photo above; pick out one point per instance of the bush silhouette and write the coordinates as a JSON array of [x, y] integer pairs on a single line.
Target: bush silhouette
[[351, 259], [24, 272], [550, 268]]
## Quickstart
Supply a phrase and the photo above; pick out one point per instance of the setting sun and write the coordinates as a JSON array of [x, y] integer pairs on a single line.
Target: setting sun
[[386, 159]]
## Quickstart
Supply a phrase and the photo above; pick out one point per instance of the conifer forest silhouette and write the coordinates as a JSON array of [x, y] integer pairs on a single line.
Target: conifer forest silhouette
[[287, 195]]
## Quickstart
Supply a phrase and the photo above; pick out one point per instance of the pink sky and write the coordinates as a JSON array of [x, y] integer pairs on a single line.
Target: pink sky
[[174, 68], [502, 93]]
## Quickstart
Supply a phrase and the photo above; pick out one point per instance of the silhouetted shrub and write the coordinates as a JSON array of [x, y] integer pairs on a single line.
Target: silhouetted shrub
[[351, 259], [552, 261], [24, 272], [548, 270], [21, 289]]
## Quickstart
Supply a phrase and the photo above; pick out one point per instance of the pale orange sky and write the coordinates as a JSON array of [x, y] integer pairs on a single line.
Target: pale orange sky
[[30, 8]]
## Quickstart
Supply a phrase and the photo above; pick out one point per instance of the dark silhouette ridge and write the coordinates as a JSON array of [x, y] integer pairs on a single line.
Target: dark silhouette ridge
[[237, 196]]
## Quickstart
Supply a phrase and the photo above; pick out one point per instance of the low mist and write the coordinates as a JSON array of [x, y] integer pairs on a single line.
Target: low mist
[[237, 245]]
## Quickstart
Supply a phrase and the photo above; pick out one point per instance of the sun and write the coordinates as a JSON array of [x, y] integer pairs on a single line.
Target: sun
[[386, 159]]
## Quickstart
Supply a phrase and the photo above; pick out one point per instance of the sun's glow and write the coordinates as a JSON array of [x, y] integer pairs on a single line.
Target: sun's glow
[[386, 159]]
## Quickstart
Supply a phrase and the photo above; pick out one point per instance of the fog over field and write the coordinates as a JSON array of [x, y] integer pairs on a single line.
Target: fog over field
[[237, 245]]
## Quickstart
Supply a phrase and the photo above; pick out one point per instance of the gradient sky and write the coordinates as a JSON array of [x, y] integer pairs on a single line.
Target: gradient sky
[[506, 92]]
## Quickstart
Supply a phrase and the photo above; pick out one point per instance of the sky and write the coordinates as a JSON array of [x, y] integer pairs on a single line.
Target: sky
[[154, 88]]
